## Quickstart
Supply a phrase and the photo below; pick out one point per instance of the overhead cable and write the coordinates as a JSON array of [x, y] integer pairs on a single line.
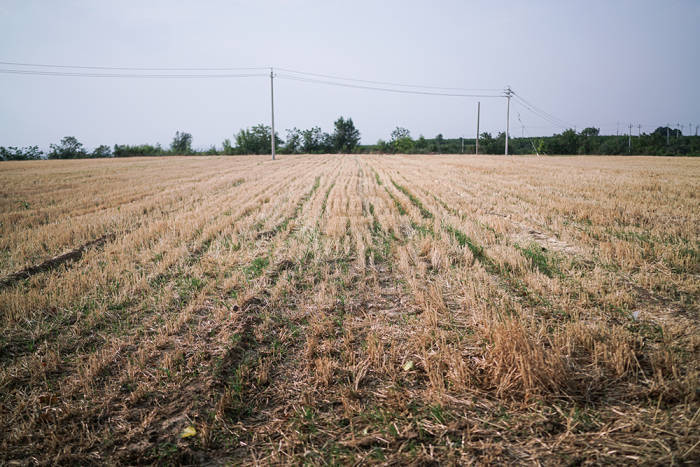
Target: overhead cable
[[542, 113], [127, 75], [384, 89], [387, 83], [131, 68]]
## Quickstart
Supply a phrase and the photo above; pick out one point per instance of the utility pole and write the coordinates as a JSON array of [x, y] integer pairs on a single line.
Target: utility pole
[[522, 130], [639, 130], [678, 127], [629, 139], [461, 139], [272, 112], [478, 114], [696, 129], [618, 129], [668, 133], [508, 94]]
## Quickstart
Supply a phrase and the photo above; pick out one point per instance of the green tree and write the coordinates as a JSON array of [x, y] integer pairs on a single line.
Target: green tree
[[590, 131], [13, 153], [293, 145], [124, 150], [437, 143], [588, 140], [228, 148], [182, 143], [69, 148], [383, 146], [345, 137], [564, 143], [613, 145], [102, 151], [487, 143], [421, 145], [316, 141], [311, 141], [401, 141], [256, 140]]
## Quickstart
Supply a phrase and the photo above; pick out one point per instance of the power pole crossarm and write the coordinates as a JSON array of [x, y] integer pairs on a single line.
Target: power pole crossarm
[[272, 112]]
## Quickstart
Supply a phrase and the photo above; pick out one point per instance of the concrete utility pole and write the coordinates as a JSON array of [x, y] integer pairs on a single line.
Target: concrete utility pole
[[272, 112], [668, 133], [629, 139], [639, 130], [461, 139], [508, 94], [678, 127], [618, 129], [478, 113], [696, 129]]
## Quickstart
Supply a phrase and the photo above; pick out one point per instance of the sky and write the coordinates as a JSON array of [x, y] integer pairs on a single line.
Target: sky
[[601, 63]]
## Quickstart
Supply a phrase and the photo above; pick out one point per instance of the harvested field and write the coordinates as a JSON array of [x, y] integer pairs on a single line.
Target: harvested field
[[341, 309]]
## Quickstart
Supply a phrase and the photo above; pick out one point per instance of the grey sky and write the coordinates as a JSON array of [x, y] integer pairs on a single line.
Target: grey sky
[[586, 62]]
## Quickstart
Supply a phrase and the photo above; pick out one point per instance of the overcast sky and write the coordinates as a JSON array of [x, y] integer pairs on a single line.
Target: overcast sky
[[588, 63]]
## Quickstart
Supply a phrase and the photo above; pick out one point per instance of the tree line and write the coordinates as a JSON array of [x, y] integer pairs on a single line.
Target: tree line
[[345, 138], [663, 141]]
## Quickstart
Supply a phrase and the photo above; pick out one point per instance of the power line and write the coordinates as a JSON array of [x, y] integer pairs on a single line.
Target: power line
[[538, 114], [522, 99], [294, 75], [553, 123], [542, 113], [125, 68], [297, 72], [302, 76], [472, 93], [126, 75], [522, 125], [385, 89], [387, 83]]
